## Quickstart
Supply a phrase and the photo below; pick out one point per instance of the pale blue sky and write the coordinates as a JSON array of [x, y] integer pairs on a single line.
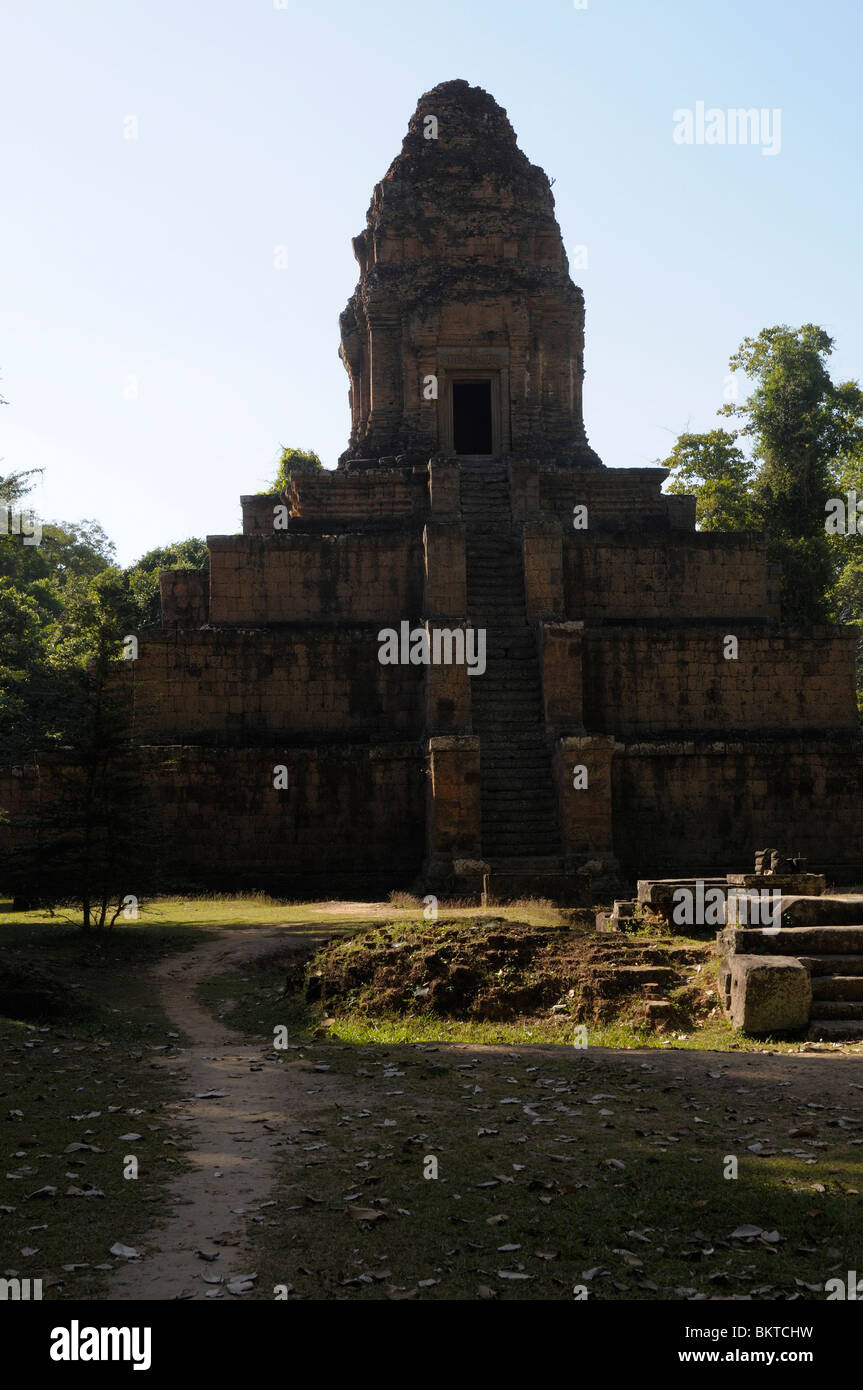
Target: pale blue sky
[[261, 127]]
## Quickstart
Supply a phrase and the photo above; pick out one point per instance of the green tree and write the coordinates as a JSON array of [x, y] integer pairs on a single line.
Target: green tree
[[143, 576], [90, 842], [800, 425], [713, 468], [847, 555], [14, 486]]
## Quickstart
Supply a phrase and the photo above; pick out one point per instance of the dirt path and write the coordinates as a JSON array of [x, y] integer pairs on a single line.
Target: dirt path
[[235, 1137], [230, 1134]]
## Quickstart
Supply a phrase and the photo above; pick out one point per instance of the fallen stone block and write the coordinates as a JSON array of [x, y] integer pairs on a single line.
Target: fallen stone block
[[769, 994]]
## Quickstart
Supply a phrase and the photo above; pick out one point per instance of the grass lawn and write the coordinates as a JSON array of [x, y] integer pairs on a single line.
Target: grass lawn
[[556, 1171]]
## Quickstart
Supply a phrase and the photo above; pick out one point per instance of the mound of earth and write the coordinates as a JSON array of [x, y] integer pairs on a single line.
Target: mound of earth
[[501, 970]]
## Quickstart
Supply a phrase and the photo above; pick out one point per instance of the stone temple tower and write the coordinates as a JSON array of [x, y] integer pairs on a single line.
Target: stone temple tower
[[606, 733], [464, 283]]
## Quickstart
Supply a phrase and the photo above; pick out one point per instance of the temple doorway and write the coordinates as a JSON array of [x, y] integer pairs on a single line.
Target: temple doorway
[[471, 417]]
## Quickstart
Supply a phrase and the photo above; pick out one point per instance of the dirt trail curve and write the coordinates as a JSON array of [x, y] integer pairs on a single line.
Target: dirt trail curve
[[230, 1135]]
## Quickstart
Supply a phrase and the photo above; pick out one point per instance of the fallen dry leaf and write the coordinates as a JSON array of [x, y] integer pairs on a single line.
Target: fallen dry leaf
[[367, 1214]]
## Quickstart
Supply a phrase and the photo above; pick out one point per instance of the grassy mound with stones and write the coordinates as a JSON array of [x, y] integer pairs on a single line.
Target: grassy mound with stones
[[499, 970]]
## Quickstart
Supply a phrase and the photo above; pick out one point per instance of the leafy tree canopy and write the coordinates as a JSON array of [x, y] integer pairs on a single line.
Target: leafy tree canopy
[[144, 574], [804, 434]]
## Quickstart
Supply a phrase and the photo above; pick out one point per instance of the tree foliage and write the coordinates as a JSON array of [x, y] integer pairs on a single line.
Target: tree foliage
[[294, 461], [805, 435], [144, 574], [66, 712]]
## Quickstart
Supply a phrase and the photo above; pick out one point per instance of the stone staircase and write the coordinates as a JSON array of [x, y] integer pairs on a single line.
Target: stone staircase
[[837, 990], [519, 809], [833, 955]]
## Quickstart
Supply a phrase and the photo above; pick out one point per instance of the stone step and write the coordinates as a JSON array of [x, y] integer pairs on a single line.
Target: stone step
[[509, 789], [833, 965], [513, 827], [533, 863], [530, 841], [521, 785], [499, 849], [836, 1030], [822, 911], [494, 685], [517, 808], [517, 797], [525, 775], [531, 740], [518, 805], [501, 601], [521, 771], [494, 689], [508, 654], [498, 677], [496, 599], [837, 987], [521, 767], [506, 660], [836, 1008], [514, 721], [522, 713], [526, 701], [520, 808], [494, 608], [494, 755], [499, 672], [488, 714], [499, 682], [792, 941]]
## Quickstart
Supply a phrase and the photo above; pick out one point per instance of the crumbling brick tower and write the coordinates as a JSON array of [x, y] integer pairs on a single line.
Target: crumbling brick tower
[[615, 726], [464, 280]]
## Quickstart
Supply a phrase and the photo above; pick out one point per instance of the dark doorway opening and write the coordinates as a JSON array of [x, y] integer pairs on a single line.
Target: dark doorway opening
[[471, 417]]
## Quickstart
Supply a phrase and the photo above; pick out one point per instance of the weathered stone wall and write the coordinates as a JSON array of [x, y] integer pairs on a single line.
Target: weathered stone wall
[[697, 807], [624, 499], [697, 575], [295, 578], [185, 597], [653, 680], [377, 494], [249, 685], [351, 820]]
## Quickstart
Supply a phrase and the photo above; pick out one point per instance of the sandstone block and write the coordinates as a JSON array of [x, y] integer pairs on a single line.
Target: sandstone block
[[769, 994]]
